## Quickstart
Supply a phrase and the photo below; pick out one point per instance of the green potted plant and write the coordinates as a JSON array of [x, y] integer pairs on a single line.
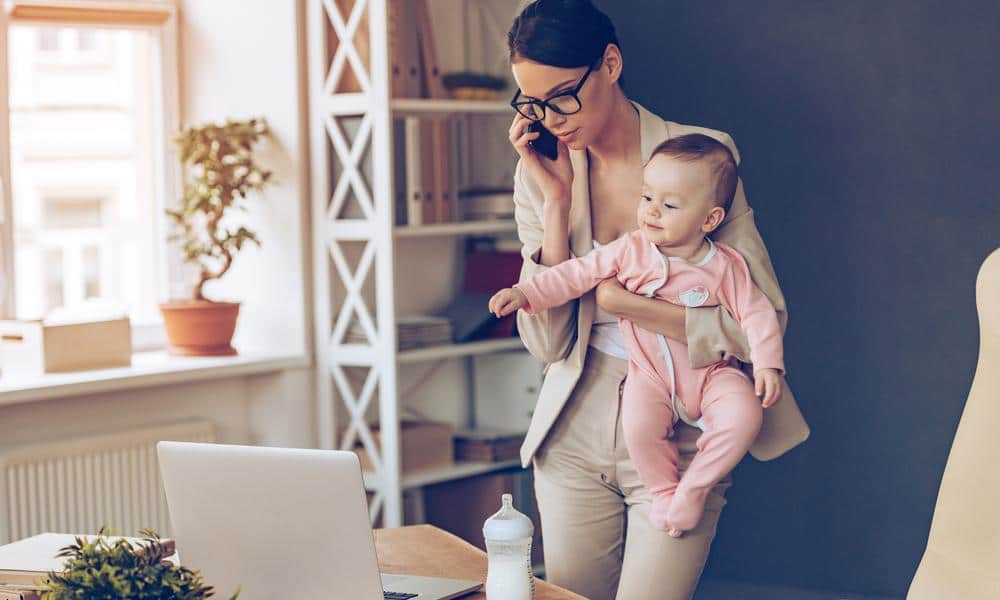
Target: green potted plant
[[101, 568], [220, 170]]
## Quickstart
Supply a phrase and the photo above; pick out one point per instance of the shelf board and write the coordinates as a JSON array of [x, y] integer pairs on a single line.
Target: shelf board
[[459, 350], [459, 470], [422, 106], [363, 355], [148, 369], [456, 229]]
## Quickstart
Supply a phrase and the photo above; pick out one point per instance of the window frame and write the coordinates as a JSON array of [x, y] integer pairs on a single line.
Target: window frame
[[159, 17]]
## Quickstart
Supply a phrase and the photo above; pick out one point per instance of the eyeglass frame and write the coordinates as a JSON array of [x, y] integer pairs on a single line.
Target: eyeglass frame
[[575, 93]]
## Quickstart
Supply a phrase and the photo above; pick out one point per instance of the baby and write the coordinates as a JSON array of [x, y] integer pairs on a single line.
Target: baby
[[688, 185]]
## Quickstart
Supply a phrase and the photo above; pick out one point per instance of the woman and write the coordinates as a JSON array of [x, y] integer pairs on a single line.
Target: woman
[[598, 542]]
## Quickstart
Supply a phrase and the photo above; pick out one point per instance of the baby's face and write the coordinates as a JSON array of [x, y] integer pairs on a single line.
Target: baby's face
[[677, 197]]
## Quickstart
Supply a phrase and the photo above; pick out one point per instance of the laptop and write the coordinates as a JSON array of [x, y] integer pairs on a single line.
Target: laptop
[[281, 523]]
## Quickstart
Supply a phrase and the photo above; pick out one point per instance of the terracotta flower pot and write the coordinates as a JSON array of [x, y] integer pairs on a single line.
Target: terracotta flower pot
[[200, 327]]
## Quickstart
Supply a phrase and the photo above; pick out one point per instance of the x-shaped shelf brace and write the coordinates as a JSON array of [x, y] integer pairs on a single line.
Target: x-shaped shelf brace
[[350, 155], [346, 50]]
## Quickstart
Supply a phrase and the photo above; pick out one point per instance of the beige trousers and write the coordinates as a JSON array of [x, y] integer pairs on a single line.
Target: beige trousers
[[596, 534]]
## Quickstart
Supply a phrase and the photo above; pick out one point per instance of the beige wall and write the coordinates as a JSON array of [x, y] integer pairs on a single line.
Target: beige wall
[[239, 59]]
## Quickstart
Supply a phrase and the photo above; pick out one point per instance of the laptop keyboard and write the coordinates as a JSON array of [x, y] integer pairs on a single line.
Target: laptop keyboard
[[398, 595]]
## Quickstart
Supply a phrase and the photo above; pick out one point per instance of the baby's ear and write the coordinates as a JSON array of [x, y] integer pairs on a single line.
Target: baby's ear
[[714, 219]]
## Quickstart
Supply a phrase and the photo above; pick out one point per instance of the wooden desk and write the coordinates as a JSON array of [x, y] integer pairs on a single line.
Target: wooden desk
[[432, 552]]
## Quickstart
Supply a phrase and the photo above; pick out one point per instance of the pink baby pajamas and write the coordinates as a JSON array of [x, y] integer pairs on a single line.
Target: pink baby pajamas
[[662, 386]]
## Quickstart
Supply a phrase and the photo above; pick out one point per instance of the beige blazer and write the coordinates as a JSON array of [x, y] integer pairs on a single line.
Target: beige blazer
[[560, 335], [962, 552]]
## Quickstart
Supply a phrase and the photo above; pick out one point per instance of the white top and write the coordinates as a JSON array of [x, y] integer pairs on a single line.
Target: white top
[[604, 333]]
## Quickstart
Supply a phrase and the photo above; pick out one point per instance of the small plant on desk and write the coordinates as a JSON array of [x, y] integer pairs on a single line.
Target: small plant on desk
[[101, 568]]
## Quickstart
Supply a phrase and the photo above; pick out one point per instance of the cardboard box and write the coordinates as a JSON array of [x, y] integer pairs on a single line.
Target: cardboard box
[[488, 445], [423, 445], [34, 347]]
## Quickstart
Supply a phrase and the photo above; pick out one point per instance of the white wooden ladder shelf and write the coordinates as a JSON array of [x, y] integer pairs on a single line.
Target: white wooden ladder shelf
[[349, 85]]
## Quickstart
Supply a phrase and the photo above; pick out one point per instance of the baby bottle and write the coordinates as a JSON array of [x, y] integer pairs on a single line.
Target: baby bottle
[[508, 546]]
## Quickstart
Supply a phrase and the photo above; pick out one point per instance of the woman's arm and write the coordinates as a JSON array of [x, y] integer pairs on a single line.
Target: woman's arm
[[648, 313], [548, 335]]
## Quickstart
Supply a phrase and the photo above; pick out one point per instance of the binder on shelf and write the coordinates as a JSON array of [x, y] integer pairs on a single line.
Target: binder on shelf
[[397, 68], [409, 49], [448, 152], [431, 73], [441, 158], [399, 209], [414, 172], [428, 165]]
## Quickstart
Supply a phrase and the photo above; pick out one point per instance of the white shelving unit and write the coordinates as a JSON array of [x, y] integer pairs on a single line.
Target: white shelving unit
[[459, 350], [406, 107], [458, 229], [372, 111], [363, 355]]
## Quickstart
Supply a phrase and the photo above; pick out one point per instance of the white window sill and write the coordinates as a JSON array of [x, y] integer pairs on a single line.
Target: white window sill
[[148, 369]]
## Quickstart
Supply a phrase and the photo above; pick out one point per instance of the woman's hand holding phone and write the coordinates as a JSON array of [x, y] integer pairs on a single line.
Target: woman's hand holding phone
[[554, 177]]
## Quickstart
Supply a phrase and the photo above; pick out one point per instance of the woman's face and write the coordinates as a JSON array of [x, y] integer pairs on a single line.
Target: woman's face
[[540, 82]]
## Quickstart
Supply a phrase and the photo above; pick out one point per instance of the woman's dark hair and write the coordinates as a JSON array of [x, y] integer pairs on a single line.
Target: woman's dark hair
[[562, 33]]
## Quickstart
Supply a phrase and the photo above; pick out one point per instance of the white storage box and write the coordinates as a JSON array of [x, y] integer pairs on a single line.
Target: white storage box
[[34, 347]]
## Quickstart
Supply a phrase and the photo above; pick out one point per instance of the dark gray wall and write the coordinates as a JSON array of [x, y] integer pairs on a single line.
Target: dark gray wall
[[868, 131]]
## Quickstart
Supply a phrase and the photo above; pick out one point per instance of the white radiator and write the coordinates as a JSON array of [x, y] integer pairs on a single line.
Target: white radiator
[[80, 485]]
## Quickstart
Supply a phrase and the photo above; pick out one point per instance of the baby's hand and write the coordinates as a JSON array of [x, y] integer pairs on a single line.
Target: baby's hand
[[506, 301], [767, 383]]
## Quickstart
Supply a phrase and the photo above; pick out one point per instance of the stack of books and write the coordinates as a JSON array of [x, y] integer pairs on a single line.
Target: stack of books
[[486, 203], [25, 564], [422, 330], [412, 332]]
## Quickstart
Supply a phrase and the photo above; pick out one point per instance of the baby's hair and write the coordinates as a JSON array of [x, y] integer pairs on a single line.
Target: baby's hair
[[697, 146]]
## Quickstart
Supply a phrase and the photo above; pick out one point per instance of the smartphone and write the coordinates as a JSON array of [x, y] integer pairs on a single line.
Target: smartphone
[[545, 144]]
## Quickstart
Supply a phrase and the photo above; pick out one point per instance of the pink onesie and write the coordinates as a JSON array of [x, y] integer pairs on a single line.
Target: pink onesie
[[662, 386]]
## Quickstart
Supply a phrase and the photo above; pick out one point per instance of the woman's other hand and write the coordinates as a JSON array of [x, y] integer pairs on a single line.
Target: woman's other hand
[[507, 301], [767, 384], [608, 295], [554, 177]]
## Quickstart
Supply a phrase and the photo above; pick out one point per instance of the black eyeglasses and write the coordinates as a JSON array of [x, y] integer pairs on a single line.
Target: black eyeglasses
[[563, 103]]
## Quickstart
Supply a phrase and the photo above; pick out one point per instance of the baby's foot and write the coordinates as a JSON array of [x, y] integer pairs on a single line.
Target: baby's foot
[[685, 511], [659, 510]]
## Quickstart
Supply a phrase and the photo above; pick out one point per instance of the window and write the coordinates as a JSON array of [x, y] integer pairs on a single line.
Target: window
[[86, 171], [48, 40], [71, 45]]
